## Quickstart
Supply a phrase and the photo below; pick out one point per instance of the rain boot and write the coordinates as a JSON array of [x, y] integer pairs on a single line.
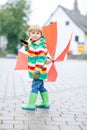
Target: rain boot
[[31, 104], [45, 101]]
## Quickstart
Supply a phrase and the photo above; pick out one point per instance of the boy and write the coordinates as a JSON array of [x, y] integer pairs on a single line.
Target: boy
[[37, 58]]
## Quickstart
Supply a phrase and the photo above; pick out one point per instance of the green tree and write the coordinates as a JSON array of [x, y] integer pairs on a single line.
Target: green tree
[[14, 17]]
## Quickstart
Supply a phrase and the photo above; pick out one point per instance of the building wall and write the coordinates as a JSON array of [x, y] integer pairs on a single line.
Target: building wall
[[65, 30]]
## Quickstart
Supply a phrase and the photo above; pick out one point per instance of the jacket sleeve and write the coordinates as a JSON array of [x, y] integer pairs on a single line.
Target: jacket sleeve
[[27, 48]]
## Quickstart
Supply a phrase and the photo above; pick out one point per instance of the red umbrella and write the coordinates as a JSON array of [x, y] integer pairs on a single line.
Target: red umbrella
[[51, 33]]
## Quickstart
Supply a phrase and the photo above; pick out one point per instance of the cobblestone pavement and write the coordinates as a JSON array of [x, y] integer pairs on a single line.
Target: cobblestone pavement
[[68, 99]]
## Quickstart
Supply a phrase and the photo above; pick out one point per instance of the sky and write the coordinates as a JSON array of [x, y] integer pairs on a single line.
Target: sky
[[42, 9]]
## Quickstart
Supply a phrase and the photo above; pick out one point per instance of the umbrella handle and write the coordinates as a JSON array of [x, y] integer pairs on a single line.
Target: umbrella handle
[[23, 41], [52, 60]]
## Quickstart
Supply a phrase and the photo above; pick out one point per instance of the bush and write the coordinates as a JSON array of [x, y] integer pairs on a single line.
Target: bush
[[2, 53]]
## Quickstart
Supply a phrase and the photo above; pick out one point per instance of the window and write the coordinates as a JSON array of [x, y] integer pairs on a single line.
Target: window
[[76, 38], [67, 23]]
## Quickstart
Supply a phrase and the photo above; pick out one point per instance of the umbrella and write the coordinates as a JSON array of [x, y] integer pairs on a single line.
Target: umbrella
[[57, 52]]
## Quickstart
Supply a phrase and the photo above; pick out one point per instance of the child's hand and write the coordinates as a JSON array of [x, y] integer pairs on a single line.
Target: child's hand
[[36, 76]]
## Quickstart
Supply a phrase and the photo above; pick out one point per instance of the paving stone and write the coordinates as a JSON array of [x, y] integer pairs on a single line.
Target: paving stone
[[83, 127], [70, 128]]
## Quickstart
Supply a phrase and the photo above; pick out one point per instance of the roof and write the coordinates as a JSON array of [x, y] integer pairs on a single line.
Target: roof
[[75, 15]]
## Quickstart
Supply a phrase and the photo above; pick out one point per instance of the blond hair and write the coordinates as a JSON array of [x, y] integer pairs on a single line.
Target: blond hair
[[35, 28]]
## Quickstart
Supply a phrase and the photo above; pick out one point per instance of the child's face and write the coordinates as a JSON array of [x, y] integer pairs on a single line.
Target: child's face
[[35, 35]]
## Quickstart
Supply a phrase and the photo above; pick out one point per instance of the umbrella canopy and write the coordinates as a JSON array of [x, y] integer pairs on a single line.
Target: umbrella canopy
[[57, 52]]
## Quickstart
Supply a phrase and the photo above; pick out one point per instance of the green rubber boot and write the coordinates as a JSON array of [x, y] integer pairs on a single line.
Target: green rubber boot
[[31, 104], [45, 101]]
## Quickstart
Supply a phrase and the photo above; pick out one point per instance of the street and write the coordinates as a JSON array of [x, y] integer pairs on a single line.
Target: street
[[68, 99]]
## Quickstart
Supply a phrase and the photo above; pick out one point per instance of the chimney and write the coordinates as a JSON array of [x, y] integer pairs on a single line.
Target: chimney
[[76, 6]]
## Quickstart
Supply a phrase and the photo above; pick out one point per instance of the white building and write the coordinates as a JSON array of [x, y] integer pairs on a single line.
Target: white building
[[74, 21]]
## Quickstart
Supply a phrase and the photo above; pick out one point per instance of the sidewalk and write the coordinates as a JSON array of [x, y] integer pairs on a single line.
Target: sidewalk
[[68, 98]]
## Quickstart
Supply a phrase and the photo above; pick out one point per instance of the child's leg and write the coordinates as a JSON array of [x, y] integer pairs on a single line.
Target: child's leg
[[44, 96], [30, 105], [32, 98]]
